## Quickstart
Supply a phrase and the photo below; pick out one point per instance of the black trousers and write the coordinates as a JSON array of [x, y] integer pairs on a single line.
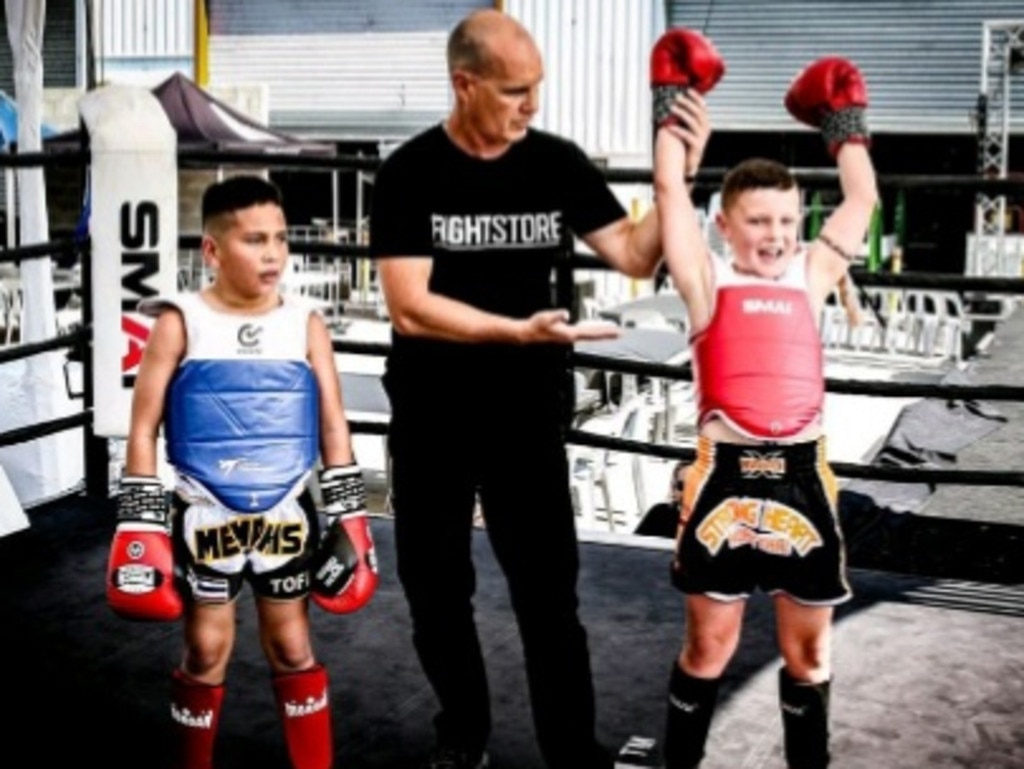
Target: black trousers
[[516, 462]]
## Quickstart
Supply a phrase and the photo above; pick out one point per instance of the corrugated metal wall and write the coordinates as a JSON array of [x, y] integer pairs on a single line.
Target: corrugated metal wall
[[333, 17], [145, 28], [58, 48], [143, 41], [596, 55], [922, 60], [341, 70]]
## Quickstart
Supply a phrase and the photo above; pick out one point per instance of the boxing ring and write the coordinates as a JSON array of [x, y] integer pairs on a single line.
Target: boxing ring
[[928, 665]]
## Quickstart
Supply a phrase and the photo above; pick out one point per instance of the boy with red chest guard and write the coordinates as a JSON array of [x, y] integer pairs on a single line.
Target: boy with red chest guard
[[759, 505]]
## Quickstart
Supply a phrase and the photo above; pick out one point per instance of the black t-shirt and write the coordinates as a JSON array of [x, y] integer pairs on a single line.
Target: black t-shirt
[[494, 229]]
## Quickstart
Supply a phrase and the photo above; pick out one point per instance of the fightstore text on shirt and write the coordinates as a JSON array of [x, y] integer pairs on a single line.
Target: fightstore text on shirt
[[536, 230]]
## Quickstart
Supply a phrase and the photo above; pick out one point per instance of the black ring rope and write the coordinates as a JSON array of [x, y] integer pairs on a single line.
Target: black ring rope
[[42, 429], [938, 281], [283, 159], [840, 386], [685, 374], [362, 348], [39, 250], [44, 159], [580, 260], [812, 178], [73, 339], [933, 280], [842, 469], [289, 158], [807, 177], [371, 428]]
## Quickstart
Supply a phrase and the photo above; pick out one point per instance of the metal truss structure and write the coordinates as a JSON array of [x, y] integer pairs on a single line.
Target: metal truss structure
[[1002, 57]]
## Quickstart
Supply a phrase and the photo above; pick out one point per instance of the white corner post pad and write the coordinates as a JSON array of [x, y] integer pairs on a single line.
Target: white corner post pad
[[12, 516], [133, 224]]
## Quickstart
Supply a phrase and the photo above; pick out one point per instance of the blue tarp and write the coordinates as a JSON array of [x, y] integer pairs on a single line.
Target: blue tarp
[[9, 122]]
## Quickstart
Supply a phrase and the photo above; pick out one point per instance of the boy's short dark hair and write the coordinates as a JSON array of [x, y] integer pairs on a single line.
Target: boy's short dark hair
[[752, 174], [236, 193]]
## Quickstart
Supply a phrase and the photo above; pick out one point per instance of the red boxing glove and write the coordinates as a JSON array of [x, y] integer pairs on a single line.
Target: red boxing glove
[[681, 59], [344, 569], [140, 568], [831, 94], [345, 572]]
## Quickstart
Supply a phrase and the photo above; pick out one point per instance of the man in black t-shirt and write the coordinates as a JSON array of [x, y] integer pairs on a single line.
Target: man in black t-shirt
[[467, 221]]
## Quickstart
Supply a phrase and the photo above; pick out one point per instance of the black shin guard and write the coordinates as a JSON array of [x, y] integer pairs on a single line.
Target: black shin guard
[[804, 722], [691, 703]]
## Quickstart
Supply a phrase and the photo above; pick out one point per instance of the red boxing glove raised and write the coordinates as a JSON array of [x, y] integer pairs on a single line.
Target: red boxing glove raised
[[140, 568], [344, 570], [681, 59], [831, 94]]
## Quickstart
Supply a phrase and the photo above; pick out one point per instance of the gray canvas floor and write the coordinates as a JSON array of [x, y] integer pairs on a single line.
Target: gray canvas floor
[[928, 673]]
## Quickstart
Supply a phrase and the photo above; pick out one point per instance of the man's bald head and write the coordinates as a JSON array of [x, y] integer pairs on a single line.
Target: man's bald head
[[471, 45]]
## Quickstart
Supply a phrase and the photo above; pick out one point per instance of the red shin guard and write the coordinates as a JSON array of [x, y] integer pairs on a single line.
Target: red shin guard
[[305, 710], [195, 708]]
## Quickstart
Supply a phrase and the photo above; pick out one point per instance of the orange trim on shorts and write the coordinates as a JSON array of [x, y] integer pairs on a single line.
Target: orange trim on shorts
[[696, 477], [828, 478], [831, 487]]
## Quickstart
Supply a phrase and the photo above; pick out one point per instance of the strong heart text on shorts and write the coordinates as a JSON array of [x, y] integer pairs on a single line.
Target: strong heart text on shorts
[[768, 526]]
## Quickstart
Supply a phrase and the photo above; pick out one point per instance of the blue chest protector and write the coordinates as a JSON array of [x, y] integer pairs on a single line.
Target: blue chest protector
[[242, 429], [242, 412]]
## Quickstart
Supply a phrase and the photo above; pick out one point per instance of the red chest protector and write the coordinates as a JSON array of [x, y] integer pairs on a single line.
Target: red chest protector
[[758, 364]]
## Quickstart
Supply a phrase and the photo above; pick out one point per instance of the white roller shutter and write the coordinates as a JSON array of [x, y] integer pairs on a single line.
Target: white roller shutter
[[596, 55], [368, 70], [922, 58]]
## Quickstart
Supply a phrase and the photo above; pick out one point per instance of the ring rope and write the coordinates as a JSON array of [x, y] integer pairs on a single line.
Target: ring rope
[[811, 178], [361, 348], [807, 177], [281, 159], [370, 428], [73, 339], [841, 386], [934, 280], [39, 250], [941, 281], [843, 469], [42, 429], [46, 159]]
